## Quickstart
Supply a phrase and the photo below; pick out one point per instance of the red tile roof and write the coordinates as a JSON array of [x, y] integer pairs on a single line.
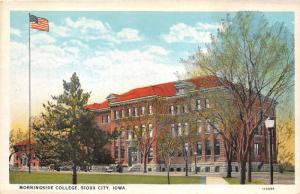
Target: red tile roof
[[163, 90], [205, 82], [101, 105], [25, 142]]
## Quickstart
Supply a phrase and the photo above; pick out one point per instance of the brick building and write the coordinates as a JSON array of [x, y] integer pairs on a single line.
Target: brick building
[[181, 100], [19, 159]]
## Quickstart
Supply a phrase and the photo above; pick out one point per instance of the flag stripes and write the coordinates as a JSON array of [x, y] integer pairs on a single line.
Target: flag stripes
[[39, 23]]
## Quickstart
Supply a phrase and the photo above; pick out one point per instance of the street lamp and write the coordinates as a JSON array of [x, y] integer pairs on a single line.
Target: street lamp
[[186, 158], [270, 125], [195, 154]]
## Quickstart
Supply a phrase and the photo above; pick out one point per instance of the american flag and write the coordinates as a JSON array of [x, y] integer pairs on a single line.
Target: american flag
[[39, 23]]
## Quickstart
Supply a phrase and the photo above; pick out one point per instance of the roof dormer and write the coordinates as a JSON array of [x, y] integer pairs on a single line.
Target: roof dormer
[[111, 97], [183, 87]]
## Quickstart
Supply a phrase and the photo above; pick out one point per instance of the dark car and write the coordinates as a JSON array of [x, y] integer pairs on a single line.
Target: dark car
[[65, 168]]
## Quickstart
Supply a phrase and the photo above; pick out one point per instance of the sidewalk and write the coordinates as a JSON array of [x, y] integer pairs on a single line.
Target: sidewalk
[[215, 181]]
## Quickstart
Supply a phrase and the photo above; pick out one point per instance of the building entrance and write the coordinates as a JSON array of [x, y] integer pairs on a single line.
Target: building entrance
[[132, 156]]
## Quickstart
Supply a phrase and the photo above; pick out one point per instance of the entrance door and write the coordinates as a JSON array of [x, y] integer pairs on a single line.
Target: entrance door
[[132, 156]]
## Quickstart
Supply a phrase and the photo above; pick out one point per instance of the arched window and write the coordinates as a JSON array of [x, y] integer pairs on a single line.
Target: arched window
[[151, 130], [187, 129], [179, 129]]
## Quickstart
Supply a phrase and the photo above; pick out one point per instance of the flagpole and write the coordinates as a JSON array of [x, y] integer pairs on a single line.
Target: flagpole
[[29, 96]]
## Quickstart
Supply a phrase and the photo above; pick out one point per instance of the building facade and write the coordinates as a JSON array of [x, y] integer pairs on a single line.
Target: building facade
[[20, 158], [177, 107]]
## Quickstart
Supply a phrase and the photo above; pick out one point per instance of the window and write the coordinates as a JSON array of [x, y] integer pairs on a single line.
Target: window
[[208, 126], [258, 130], [136, 129], [123, 150], [117, 114], [185, 109], [122, 134], [257, 149], [180, 91], [136, 112], [24, 161], [178, 109], [123, 114], [199, 128], [198, 104], [150, 130], [143, 130], [173, 130], [129, 135], [187, 129], [143, 110], [172, 110], [129, 112], [199, 149], [217, 147], [206, 103], [179, 129], [150, 153], [150, 110], [105, 119], [116, 150], [179, 153], [207, 148]]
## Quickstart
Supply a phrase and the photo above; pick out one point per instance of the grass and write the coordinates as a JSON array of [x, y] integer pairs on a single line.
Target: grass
[[236, 180], [66, 178]]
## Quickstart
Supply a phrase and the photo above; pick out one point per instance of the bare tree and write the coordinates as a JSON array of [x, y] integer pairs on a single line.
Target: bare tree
[[142, 125], [168, 147], [223, 118], [254, 61]]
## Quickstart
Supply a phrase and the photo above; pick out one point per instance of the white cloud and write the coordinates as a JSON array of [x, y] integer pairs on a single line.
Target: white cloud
[[191, 34], [18, 54], [90, 29], [153, 49], [122, 70], [43, 56], [129, 34], [16, 32], [85, 24], [41, 39], [207, 26], [61, 31]]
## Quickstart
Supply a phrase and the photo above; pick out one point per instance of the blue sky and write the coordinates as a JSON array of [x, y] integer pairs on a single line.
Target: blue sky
[[110, 51]]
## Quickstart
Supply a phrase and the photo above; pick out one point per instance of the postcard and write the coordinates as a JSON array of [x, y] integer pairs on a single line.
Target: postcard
[[140, 97]]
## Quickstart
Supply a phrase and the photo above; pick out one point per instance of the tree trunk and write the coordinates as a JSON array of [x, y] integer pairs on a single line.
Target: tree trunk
[[74, 176], [145, 164], [243, 172], [229, 155], [229, 168], [186, 167], [249, 167], [168, 174]]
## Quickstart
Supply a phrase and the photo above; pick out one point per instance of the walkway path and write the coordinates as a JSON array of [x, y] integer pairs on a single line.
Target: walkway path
[[210, 180]]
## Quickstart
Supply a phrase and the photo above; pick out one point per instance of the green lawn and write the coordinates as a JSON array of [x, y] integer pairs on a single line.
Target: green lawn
[[236, 180], [66, 178]]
